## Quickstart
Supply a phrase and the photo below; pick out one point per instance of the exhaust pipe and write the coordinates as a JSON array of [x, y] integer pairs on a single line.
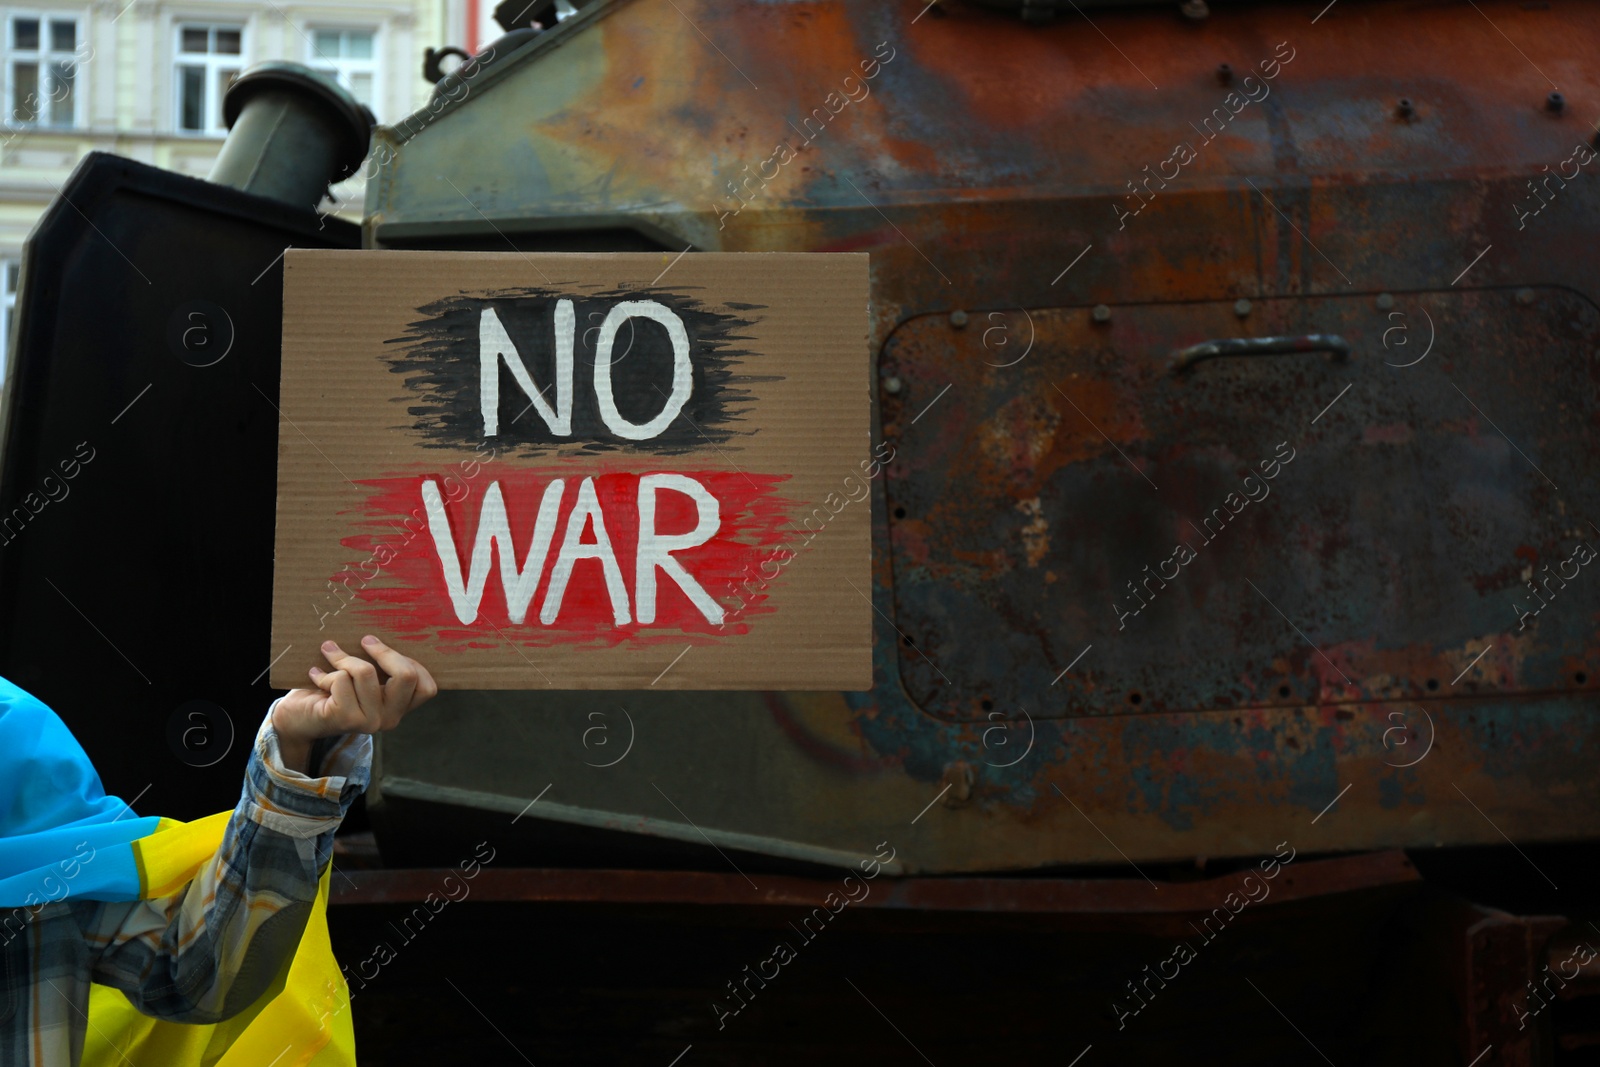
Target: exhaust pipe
[[292, 133]]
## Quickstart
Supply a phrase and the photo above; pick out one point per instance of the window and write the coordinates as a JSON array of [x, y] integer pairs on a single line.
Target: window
[[350, 56], [41, 69], [209, 58], [9, 269]]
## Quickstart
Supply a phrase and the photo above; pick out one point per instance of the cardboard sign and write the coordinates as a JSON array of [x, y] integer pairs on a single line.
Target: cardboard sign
[[578, 471]]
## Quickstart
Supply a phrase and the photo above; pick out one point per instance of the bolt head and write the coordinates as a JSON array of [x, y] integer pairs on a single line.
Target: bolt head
[[1525, 297], [1195, 10], [1385, 301], [1241, 307], [892, 384], [1101, 313], [958, 319]]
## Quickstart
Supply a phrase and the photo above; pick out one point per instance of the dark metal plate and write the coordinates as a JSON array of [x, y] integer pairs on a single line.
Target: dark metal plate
[[1254, 531]]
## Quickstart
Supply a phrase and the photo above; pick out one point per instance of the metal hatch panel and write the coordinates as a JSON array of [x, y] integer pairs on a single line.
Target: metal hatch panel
[[1253, 531]]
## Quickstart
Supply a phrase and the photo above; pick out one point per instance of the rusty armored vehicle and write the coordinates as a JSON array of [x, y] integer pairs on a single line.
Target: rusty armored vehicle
[[1230, 576]]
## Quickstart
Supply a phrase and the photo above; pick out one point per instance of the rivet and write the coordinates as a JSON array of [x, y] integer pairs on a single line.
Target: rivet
[[891, 384], [1405, 108], [1385, 301], [1241, 307], [1195, 10], [1524, 297], [1555, 102], [958, 319], [958, 779], [1101, 313]]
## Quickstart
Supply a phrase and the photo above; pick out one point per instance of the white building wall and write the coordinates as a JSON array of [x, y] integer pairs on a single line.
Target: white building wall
[[126, 89]]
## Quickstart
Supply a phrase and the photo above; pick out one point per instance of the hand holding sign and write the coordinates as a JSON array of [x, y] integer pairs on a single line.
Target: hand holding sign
[[444, 419], [352, 698]]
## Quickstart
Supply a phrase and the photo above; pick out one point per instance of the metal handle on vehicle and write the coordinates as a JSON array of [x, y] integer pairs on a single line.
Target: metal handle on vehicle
[[1184, 358]]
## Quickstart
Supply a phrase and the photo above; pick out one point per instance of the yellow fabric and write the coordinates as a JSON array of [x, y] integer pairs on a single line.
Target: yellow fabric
[[175, 853], [303, 1020]]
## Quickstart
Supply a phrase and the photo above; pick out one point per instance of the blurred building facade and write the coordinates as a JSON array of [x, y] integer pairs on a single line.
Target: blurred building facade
[[145, 78]]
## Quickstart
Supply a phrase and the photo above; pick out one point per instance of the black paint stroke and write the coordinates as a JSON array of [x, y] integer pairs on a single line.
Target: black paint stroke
[[439, 362]]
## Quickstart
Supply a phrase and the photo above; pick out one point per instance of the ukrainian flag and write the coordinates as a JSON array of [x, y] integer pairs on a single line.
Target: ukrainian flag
[[62, 838]]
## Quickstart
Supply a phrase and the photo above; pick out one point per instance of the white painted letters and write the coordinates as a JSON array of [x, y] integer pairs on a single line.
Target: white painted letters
[[493, 539], [493, 529], [682, 371], [655, 549], [494, 344], [573, 548]]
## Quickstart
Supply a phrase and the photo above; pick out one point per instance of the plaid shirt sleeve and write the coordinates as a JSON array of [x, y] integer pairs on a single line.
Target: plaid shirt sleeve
[[211, 949]]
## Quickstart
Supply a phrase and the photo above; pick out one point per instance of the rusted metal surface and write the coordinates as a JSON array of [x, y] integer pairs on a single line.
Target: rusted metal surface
[[1033, 896], [1375, 688], [1504, 961], [1568, 988], [1288, 531]]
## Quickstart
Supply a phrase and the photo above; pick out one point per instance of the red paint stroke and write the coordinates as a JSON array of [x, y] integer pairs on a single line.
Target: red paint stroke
[[400, 583]]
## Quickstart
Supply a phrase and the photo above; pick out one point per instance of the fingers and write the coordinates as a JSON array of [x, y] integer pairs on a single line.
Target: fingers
[[410, 683], [301, 702], [341, 712], [357, 697], [367, 693], [402, 672], [427, 688]]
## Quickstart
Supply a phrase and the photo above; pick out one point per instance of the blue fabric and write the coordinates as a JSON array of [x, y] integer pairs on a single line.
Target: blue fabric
[[61, 836]]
